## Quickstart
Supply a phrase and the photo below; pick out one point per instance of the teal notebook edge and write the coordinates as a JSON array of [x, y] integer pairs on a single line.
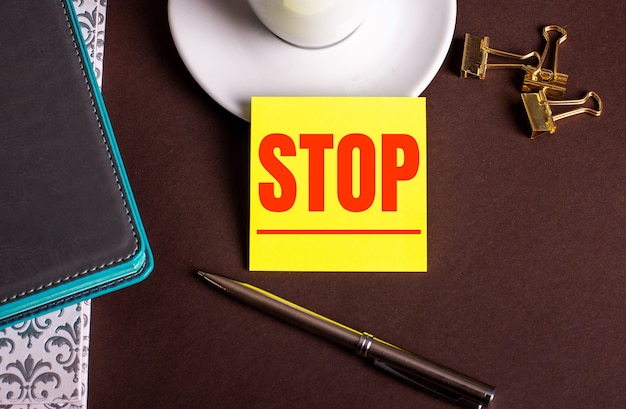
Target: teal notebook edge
[[103, 279]]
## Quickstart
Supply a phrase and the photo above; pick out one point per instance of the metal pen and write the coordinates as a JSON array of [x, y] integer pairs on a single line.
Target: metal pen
[[411, 368]]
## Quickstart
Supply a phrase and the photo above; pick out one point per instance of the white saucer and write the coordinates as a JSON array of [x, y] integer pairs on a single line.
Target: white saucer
[[396, 52]]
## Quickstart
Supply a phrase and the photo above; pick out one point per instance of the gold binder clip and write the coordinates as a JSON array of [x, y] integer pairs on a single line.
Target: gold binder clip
[[540, 115], [549, 80], [476, 51]]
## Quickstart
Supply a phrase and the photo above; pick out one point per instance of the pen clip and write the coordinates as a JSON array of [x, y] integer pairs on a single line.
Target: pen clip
[[433, 388], [424, 374], [422, 383]]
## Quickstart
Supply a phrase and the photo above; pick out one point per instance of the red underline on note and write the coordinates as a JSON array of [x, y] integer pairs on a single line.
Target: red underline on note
[[338, 231]]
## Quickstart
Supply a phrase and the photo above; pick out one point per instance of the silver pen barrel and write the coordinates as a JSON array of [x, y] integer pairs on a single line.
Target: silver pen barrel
[[403, 364]]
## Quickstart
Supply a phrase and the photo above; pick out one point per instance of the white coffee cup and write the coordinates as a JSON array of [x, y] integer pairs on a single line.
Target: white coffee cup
[[311, 23]]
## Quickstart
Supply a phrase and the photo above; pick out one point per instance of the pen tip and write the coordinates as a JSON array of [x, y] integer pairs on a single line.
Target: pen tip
[[212, 279], [206, 276]]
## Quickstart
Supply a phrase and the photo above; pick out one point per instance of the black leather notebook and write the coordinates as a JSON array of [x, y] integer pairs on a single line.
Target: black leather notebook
[[69, 225]]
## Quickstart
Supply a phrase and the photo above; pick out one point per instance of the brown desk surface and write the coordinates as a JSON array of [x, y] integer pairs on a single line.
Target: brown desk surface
[[526, 287]]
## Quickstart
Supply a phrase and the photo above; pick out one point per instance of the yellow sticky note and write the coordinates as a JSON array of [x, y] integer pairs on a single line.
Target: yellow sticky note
[[338, 184]]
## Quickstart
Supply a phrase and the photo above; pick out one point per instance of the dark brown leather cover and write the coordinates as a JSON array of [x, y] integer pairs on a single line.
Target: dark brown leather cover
[[66, 215]]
